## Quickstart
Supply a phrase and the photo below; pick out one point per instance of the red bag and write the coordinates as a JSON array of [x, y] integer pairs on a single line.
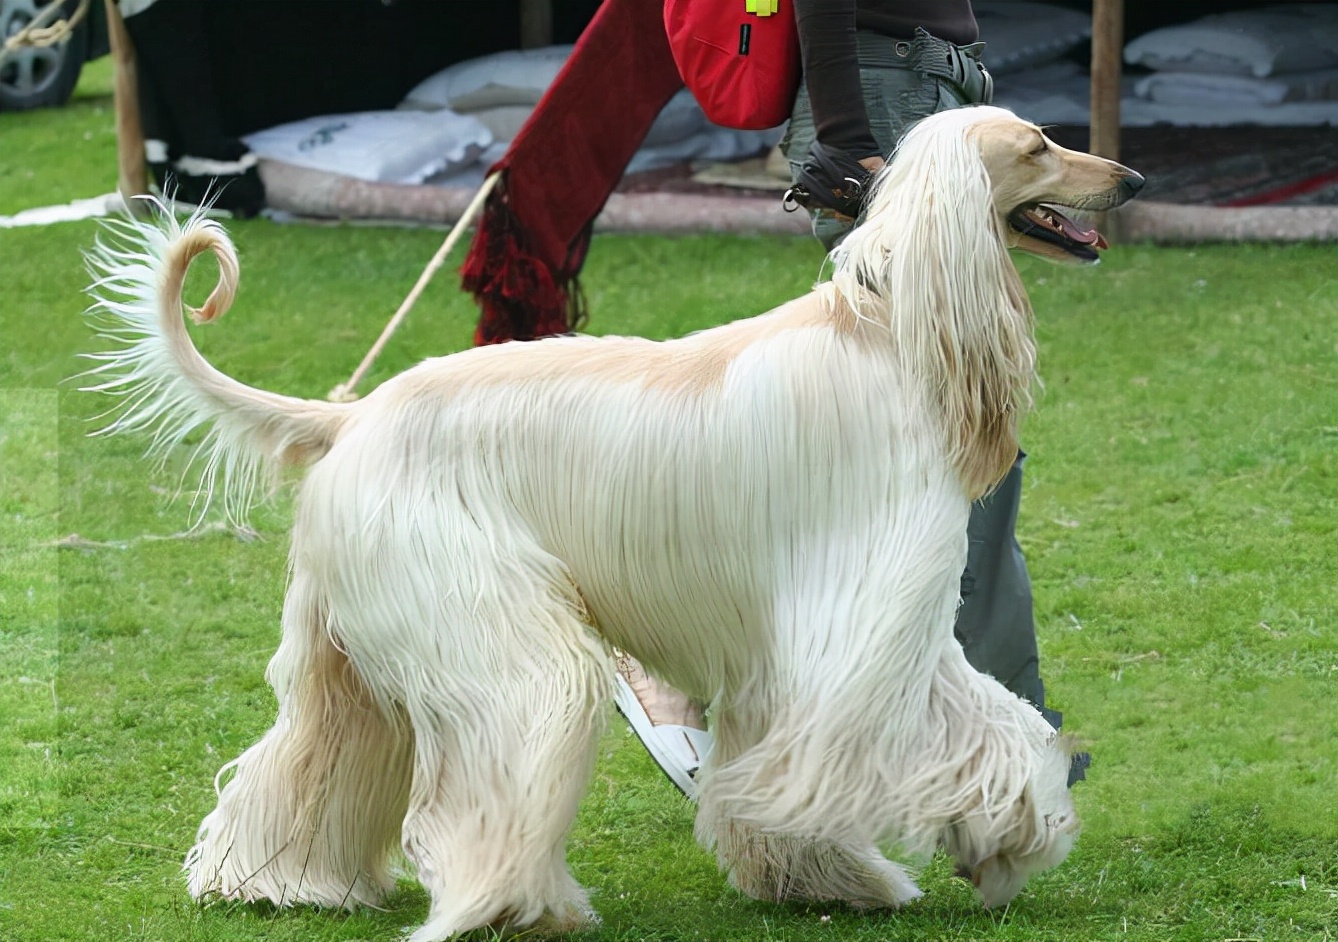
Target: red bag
[[739, 58]]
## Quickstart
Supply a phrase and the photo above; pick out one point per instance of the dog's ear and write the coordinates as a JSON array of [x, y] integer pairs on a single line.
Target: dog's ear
[[930, 261], [932, 202]]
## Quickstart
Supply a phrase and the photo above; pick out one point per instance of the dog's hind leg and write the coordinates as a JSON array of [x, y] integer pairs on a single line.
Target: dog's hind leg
[[506, 701], [312, 811]]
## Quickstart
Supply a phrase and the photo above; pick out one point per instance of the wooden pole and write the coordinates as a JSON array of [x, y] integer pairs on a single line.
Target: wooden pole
[[344, 392], [132, 176], [536, 23], [1107, 47]]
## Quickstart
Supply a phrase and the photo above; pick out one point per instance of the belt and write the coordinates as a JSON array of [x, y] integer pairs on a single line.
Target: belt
[[960, 66]]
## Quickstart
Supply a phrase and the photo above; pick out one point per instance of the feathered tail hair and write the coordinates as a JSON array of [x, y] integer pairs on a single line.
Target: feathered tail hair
[[165, 386], [930, 264]]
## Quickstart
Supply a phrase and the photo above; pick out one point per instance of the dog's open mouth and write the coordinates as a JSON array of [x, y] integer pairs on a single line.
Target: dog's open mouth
[[1044, 221]]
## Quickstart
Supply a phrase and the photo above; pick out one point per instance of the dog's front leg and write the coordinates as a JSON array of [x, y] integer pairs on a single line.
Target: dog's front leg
[[774, 866]]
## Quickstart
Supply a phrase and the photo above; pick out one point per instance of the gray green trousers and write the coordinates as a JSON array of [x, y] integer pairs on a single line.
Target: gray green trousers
[[994, 624]]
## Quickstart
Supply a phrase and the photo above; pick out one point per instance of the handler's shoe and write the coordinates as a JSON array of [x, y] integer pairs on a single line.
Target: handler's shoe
[[669, 724], [1079, 761]]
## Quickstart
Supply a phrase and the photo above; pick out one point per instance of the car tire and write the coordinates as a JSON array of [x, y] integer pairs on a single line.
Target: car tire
[[34, 77]]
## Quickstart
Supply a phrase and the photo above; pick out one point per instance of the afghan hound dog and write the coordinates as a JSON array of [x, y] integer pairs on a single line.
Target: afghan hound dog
[[770, 515]]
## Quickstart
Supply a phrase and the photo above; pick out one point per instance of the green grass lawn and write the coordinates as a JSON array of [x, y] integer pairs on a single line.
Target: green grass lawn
[[1179, 519]]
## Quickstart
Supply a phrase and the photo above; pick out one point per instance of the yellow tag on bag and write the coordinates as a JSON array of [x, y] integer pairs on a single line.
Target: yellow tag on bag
[[761, 7]]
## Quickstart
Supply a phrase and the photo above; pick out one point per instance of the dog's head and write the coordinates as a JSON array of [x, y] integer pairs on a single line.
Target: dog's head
[[958, 162], [930, 262], [1000, 852], [1033, 180]]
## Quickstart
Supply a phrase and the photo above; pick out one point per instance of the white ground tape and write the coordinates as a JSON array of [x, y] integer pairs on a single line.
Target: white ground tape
[[106, 205]]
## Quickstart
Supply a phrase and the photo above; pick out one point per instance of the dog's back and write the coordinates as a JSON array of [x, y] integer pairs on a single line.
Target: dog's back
[[681, 488]]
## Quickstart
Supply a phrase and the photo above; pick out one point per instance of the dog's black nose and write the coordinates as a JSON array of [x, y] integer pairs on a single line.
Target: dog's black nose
[[1131, 183]]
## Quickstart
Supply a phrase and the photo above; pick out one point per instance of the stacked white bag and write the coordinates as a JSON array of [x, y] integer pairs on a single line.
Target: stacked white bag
[[1029, 50], [501, 90], [1271, 65], [378, 146], [455, 124]]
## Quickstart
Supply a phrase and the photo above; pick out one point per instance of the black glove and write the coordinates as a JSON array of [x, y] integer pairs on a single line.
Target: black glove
[[829, 179]]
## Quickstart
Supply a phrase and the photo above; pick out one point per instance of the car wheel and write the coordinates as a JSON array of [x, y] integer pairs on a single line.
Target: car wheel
[[38, 77]]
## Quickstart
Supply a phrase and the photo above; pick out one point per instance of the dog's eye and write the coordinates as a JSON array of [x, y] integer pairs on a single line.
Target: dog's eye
[[1039, 149]]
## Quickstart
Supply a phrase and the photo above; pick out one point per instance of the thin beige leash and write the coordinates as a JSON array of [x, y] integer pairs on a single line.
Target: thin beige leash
[[344, 391]]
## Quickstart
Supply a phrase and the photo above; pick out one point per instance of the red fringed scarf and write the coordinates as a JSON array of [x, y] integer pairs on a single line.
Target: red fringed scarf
[[559, 171]]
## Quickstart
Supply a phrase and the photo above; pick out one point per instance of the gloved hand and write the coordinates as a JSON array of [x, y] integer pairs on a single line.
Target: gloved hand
[[829, 179]]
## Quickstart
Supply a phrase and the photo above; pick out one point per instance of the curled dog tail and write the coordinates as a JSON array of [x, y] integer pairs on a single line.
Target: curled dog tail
[[167, 389]]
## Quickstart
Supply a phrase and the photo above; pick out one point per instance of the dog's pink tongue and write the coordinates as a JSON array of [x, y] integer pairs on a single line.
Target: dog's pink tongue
[[1077, 233]]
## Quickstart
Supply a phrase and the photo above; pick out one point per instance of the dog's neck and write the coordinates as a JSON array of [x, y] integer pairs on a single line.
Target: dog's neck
[[993, 358], [976, 335], [953, 306]]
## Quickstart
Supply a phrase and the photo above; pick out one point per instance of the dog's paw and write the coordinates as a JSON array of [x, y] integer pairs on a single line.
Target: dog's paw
[[891, 887], [571, 918], [778, 870]]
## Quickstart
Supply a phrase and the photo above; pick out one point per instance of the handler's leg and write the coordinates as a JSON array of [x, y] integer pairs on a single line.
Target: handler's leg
[[995, 623], [671, 725]]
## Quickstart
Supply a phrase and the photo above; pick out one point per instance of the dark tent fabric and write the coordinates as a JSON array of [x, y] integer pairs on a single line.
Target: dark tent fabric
[[213, 71]]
